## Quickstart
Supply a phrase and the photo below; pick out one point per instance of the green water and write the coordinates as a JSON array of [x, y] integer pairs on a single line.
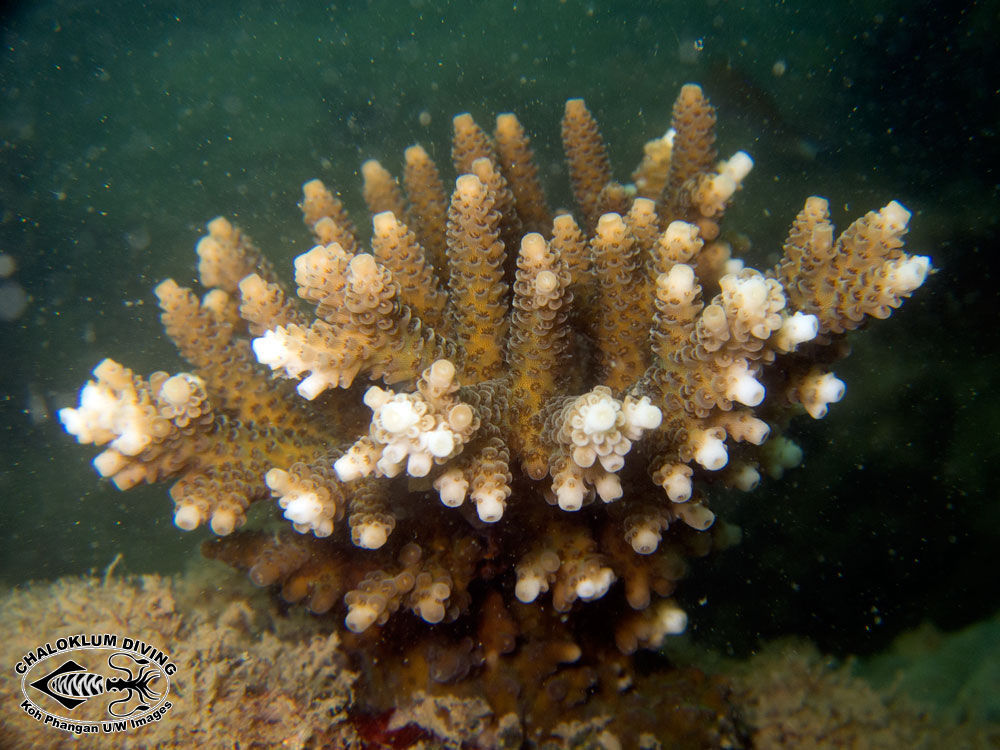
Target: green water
[[125, 127]]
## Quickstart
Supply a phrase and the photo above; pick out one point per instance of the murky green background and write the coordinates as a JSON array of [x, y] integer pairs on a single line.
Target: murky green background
[[125, 126]]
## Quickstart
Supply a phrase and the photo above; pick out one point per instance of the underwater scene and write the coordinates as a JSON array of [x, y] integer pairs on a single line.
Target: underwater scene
[[565, 374]]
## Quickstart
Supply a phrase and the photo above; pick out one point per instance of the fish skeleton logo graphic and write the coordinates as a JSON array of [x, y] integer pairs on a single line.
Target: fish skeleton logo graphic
[[72, 685]]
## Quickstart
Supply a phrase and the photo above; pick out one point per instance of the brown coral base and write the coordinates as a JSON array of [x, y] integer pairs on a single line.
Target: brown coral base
[[254, 676]]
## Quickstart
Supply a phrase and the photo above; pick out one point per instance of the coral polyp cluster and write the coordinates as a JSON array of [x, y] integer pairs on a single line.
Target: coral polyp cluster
[[493, 412]]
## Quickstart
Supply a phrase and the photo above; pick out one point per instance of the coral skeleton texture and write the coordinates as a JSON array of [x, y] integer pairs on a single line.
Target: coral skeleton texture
[[493, 398]]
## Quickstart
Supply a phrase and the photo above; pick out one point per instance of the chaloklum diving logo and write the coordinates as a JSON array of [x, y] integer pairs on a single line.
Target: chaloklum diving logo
[[99, 683]]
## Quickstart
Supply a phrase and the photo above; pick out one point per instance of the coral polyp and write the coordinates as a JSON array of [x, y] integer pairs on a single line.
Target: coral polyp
[[494, 416]]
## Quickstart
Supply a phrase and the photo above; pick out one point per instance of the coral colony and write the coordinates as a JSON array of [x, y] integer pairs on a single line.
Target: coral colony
[[496, 417]]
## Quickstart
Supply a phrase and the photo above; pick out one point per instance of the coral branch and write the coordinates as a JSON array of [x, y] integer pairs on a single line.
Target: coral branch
[[478, 292], [537, 365]]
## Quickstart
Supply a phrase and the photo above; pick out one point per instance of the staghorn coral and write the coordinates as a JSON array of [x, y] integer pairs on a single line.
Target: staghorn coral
[[581, 384]]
